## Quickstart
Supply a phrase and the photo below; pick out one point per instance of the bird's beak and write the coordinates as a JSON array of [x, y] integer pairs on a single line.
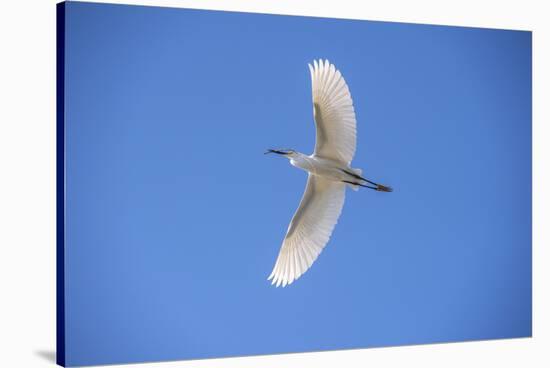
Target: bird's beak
[[276, 151]]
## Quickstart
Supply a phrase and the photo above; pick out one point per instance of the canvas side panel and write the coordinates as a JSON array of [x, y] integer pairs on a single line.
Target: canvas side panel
[[60, 186]]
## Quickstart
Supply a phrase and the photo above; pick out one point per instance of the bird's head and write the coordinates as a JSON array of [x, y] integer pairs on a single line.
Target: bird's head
[[283, 151]]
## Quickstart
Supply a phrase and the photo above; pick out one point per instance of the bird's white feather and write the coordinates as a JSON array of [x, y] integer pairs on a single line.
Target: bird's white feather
[[310, 229], [333, 113]]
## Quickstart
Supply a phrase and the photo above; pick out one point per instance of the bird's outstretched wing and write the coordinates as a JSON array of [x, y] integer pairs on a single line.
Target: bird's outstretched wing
[[309, 230], [333, 113]]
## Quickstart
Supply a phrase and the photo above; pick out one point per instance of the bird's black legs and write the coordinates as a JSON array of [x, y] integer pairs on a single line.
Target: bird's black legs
[[361, 185], [378, 187]]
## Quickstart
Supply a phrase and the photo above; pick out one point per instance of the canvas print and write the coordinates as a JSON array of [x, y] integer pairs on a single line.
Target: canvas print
[[403, 218]]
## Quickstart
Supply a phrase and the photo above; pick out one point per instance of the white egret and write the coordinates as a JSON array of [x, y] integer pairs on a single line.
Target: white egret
[[329, 172]]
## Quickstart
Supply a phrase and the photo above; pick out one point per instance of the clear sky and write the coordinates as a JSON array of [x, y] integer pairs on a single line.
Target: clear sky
[[175, 217]]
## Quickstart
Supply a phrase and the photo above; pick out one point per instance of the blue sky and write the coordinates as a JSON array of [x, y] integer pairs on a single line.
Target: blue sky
[[175, 217]]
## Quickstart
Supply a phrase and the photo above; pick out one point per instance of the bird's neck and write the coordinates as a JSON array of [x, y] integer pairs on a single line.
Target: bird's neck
[[300, 160]]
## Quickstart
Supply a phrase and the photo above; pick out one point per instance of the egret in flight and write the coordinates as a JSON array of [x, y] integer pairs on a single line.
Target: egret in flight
[[329, 172]]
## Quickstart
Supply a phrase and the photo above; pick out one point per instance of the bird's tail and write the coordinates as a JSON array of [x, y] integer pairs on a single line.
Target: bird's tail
[[353, 186]]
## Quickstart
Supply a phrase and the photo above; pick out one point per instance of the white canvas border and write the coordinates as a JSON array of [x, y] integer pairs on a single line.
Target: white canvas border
[[27, 184]]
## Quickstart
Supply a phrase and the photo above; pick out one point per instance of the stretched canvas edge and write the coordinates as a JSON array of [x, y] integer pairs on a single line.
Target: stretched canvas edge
[[60, 184]]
